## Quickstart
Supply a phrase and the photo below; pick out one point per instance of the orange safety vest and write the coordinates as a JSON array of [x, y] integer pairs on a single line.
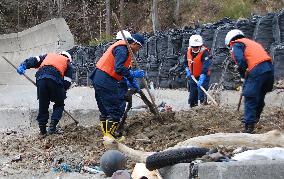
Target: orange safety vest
[[106, 62], [58, 61], [254, 53], [195, 64]]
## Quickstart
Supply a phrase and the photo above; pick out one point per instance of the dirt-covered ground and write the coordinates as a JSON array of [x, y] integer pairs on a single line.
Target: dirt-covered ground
[[84, 145]]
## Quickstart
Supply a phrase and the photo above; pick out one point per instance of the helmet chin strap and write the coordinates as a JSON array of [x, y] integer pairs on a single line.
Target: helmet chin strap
[[196, 50]]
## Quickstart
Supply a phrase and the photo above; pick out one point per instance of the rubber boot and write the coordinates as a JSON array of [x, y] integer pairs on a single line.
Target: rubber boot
[[119, 131], [43, 132], [111, 127], [103, 125], [52, 127], [249, 128], [42, 129]]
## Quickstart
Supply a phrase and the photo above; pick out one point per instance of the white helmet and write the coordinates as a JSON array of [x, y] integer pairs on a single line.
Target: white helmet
[[126, 34], [67, 54], [195, 41], [231, 34]]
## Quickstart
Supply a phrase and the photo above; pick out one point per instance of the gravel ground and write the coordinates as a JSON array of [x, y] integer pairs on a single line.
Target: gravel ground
[[80, 144]]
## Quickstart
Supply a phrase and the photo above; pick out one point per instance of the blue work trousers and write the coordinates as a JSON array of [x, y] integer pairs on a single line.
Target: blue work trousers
[[109, 96], [254, 91], [50, 91], [196, 93]]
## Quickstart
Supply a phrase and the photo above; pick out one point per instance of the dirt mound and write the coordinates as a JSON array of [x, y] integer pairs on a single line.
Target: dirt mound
[[79, 145]]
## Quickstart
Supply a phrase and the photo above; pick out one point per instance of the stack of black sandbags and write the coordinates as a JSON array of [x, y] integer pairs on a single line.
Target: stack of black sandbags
[[277, 54], [162, 56], [263, 32]]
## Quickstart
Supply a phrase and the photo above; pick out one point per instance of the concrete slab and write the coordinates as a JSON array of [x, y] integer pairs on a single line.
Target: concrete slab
[[19, 103], [15, 118], [28, 175], [178, 171], [262, 169], [51, 36], [272, 99]]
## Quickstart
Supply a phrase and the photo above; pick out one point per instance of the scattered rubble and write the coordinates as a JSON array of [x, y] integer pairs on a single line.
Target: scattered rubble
[[81, 146]]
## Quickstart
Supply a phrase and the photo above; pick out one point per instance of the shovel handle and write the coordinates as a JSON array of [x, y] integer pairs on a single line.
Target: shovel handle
[[28, 78], [201, 87], [240, 100]]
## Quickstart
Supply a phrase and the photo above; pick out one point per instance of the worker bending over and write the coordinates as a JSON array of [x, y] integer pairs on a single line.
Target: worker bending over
[[255, 66]]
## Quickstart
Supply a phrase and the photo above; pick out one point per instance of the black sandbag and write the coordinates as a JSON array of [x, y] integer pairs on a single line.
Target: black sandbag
[[264, 32], [277, 53]]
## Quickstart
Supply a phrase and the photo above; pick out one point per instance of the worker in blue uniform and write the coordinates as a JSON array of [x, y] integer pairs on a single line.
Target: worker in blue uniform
[[53, 79], [113, 67], [255, 66], [197, 62]]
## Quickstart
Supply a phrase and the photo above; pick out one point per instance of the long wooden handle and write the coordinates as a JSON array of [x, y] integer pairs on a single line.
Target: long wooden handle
[[240, 99], [28, 78], [201, 87], [136, 64]]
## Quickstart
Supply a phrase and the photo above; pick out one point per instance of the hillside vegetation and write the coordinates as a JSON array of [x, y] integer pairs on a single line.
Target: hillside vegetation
[[86, 18]]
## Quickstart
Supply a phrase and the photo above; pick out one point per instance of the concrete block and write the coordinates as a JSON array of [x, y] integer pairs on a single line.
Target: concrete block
[[51, 36], [272, 99], [262, 169], [178, 171], [86, 117], [12, 118]]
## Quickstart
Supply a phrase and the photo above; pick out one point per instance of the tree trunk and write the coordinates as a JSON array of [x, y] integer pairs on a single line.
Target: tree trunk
[[86, 20], [121, 11], [177, 12], [60, 6], [101, 19], [108, 17], [155, 21]]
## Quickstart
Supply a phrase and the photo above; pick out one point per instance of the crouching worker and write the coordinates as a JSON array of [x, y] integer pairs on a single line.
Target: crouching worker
[[114, 66], [53, 79], [197, 63], [255, 66]]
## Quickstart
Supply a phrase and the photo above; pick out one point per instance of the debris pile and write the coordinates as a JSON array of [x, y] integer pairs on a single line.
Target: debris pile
[[80, 148]]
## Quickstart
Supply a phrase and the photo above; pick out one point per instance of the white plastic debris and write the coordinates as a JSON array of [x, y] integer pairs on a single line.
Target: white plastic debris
[[141, 171], [275, 153]]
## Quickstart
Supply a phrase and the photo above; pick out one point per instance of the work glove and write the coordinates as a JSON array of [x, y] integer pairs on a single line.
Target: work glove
[[127, 82], [202, 78], [135, 85], [21, 69], [137, 73], [187, 72]]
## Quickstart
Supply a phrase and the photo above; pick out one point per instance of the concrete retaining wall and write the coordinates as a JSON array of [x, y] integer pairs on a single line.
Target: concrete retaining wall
[[262, 169], [51, 36], [18, 103], [272, 99]]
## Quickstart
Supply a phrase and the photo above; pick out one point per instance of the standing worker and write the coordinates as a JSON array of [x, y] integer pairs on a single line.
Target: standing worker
[[197, 63], [53, 79], [255, 66], [123, 84], [112, 67]]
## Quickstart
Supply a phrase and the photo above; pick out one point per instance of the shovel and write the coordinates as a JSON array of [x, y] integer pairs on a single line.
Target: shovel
[[201, 87]]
